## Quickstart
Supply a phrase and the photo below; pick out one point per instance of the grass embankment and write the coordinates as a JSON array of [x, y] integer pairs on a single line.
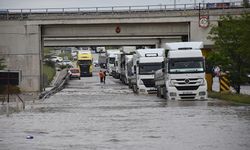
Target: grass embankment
[[49, 73], [238, 98]]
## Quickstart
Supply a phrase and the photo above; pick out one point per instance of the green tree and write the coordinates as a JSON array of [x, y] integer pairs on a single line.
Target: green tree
[[232, 47], [246, 3], [2, 66]]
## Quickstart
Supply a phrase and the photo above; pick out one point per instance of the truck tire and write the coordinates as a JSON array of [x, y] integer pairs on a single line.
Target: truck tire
[[158, 93], [161, 92], [164, 93], [135, 90]]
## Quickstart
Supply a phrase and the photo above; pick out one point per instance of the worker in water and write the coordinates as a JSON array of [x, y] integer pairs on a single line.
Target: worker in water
[[101, 75], [104, 76]]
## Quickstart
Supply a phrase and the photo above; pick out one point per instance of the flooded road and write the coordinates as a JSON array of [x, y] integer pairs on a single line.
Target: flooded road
[[90, 115]]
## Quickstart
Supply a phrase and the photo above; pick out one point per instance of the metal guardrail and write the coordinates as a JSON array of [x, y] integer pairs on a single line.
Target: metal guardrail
[[7, 13], [57, 87]]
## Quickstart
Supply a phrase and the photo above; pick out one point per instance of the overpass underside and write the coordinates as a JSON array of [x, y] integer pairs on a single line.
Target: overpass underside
[[114, 34]]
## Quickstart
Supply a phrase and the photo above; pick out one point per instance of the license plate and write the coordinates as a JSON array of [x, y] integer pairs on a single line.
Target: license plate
[[187, 93]]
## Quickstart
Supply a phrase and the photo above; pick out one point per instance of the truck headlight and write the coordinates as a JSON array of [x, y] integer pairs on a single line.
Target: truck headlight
[[172, 94], [202, 82], [202, 93], [141, 82], [171, 83]]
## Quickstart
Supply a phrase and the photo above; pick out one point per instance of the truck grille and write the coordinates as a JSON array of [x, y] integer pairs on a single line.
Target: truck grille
[[148, 82], [187, 83], [182, 88]]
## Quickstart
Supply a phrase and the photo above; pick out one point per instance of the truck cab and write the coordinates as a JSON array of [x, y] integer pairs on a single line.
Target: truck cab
[[183, 74], [85, 62], [111, 55], [145, 63]]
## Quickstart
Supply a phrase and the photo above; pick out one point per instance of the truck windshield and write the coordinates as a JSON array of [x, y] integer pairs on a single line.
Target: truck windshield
[[84, 62], [149, 68], [111, 60], [186, 65]]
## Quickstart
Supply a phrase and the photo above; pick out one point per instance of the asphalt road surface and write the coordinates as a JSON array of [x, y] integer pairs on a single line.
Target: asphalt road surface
[[90, 115]]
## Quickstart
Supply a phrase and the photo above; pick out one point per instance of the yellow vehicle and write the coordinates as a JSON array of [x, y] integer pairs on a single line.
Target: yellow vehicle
[[84, 63]]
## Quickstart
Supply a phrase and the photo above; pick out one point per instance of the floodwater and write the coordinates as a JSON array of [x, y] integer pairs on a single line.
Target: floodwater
[[90, 115]]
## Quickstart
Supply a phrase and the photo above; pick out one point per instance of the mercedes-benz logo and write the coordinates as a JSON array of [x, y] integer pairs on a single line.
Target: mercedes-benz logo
[[186, 81]]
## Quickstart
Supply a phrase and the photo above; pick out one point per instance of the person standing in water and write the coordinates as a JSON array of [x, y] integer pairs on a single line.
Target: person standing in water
[[104, 77], [101, 76]]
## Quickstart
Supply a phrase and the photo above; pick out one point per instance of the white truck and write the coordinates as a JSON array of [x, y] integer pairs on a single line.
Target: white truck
[[111, 55], [145, 63], [116, 70], [125, 68], [126, 54], [100, 49], [182, 76]]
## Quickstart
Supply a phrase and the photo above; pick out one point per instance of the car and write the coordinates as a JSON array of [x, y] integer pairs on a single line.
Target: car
[[74, 73], [65, 63], [56, 58], [95, 63]]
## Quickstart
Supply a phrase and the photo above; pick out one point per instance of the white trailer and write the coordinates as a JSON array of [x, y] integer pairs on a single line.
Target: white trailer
[[126, 69], [111, 55], [145, 63], [183, 74], [126, 54]]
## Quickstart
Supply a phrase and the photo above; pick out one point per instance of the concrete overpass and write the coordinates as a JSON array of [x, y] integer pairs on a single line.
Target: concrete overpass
[[24, 34]]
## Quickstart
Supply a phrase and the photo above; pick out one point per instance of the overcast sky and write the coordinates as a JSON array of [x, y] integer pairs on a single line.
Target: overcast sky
[[6, 4]]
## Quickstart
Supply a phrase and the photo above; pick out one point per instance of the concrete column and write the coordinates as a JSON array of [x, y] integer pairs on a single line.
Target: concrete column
[[200, 34], [19, 45]]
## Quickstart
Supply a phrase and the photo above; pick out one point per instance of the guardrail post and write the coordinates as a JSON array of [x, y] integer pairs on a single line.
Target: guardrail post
[[63, 11], [129, 9], [96, 10], [21, 13], [30, 11], [78, 10], [46, 11], [148, 8], [112, 10], [7, 14]]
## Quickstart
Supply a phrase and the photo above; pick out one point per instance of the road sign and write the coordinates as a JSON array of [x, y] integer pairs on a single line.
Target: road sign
[[10, 77], [204, 21]]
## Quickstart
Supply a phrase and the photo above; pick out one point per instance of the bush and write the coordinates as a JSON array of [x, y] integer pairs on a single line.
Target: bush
[[48, 73], [12, 89]]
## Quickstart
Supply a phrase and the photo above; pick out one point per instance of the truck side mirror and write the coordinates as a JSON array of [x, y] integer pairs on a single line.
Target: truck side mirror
[[163, 70]]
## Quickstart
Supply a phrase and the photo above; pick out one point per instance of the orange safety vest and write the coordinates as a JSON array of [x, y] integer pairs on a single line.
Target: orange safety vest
[[101, 74]]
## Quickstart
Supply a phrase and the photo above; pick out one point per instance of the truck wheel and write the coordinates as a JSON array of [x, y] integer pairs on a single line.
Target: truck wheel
[[135, 89], [161, 92], [129, 85], [158, 93], [164, 93]]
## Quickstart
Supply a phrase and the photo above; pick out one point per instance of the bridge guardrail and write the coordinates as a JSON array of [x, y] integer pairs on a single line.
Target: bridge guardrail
[[8, 14]]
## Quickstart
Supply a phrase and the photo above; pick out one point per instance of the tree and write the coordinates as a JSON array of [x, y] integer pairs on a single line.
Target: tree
[[2, 66], [232, 47], [246, 3]]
